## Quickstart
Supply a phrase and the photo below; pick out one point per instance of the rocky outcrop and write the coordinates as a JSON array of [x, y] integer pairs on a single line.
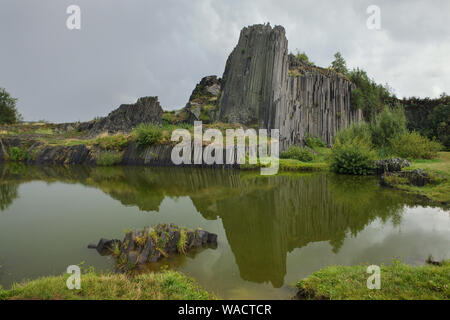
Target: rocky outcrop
[[255, 76], [391, 165], [151, 244], [202, 102], [127, 117], [263, 86], [417, 177]]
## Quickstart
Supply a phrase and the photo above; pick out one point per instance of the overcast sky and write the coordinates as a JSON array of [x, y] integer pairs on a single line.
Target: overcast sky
[[133, 48]]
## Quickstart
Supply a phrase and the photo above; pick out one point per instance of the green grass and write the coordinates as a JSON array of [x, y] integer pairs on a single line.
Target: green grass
[[165, 285], [109, 158], [398, 282]]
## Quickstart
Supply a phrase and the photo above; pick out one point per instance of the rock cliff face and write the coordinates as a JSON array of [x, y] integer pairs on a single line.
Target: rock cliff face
[[128, 116], [202, 102], [264, 86]]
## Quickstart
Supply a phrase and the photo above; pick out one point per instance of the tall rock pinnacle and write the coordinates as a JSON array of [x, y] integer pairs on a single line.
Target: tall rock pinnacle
[[264, 86]]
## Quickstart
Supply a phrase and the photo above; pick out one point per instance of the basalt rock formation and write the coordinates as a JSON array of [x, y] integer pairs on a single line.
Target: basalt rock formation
[[151, 244], [266, 87], [201, 105], [127, 117]]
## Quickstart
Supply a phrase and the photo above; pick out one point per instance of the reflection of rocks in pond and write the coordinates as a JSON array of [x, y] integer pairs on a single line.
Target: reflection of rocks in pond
[[151, 244], [264, 218]]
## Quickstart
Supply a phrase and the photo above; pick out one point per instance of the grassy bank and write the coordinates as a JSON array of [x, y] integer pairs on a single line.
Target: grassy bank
[[439, 170], [166, 285], [398, 282]]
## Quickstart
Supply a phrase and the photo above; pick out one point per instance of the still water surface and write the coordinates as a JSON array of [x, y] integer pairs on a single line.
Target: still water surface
[[272, 231]]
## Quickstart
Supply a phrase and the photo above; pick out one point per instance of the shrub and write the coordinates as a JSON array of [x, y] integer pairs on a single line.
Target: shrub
[[314, 142], [8, 111], [354, 157], [17, 154], [356, 131], [369, 96], [116, 142], [412, 145], [297, 153], [390, 123], [108, 158], [148, 134]]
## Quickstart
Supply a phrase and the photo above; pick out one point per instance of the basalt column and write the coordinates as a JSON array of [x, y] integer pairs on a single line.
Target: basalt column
[[264, 86], [252, 82]]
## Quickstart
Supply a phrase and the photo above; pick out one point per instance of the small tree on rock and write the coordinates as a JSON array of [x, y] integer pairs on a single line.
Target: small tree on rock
[[8, 111], [339, 63]]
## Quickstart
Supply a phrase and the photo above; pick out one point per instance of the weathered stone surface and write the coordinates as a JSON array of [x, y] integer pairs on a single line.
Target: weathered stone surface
[[151, 244], [391, 165], [129, 116], [258, 89], [146, 251], [202, 102], [417, 177]]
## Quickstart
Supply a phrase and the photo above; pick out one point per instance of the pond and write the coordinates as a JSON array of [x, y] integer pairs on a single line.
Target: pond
[[272, 231]]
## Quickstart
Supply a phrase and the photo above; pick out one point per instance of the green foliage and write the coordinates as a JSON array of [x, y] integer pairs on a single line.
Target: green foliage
[[339, 64], [297, 153], [17, 154], [117, 142], [8, 111], [369, 96], [109, 158], [148, 134], [303, 57], [412, 145], [438, 124], [314, 142], [356, 131], [182, 241], [353, 157], [389, 124]]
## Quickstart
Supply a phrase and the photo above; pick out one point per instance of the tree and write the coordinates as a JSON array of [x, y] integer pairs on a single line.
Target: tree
[[369, 96], [339, 63], [8, 111], [302, 56]]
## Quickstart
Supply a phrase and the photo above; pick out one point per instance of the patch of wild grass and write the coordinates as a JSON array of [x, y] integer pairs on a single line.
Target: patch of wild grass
[[398, 282], [165, 285], [109, 158]]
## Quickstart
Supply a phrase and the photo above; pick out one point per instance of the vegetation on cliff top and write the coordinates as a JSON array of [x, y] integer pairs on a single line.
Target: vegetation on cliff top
[[398, 282], [165, 285]]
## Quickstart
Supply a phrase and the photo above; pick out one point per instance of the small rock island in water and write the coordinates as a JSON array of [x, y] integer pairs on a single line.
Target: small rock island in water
[[152, 243]]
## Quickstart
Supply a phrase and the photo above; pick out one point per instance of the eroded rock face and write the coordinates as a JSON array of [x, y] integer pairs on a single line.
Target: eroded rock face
[[129, 116], [262, 85], [203, 100]]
